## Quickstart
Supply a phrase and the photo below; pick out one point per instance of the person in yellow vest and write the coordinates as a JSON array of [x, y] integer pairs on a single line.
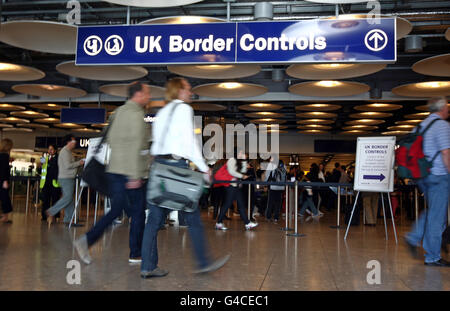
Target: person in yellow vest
[[50, 189]]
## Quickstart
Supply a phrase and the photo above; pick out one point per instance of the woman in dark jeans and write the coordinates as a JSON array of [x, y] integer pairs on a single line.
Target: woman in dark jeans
[[6, 145]]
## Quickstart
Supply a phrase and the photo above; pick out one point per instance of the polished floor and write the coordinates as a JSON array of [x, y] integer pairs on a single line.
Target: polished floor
[[34, 257]]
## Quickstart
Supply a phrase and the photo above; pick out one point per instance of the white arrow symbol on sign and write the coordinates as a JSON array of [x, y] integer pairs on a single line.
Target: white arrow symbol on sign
[[373, 39], [376, 36]]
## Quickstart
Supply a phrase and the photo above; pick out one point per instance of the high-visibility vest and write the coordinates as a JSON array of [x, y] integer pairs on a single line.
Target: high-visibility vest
[[44, 176]]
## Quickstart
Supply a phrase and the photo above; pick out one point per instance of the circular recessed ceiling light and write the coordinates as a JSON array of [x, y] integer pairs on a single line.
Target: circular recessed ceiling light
[[378, 107], [425, 107], [3, 125], [268, 120], [54, 107], [49, 90], [417, 115], [395, 133], [329, 88], [360, 127], [29, 114], [229, 90], [121, 90], [208, 107], [264, 114], [434, 66], [313, 132], [34, 125], [315, 121], [41, 36], [365, 122], [314, 126], [260, 107], [17, 129], [86, 130], [318, 107], [413, 122], [332, 71], [102, 72], [47, 120], [184, 19], [68, 125], [215, 71], [370, 114], [13, 72], [423, 89], [99, 125], [403, 127], [14, 120], [316, 114], [9, 107], [355, 132]]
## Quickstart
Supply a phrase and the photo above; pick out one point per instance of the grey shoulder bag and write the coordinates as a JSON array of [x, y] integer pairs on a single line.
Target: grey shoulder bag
[[173, 187]]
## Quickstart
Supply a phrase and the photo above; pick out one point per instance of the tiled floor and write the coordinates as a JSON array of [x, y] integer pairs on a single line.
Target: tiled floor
[[34, 257]]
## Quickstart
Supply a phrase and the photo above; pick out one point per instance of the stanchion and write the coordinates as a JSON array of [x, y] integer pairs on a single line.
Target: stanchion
[[287, 213], [296, 234], [12, 193], [338, 220], [36, 201], [28, 196], [249, 200], [88, 203]]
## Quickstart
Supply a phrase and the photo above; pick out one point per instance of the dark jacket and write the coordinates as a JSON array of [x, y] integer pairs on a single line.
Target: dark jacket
[[4, 167], [52, 169]]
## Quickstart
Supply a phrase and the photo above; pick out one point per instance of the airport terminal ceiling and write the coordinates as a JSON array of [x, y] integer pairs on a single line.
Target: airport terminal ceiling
[[428, 20]]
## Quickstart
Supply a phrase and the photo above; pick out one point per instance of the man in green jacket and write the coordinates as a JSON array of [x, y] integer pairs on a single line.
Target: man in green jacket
[[128, 136]]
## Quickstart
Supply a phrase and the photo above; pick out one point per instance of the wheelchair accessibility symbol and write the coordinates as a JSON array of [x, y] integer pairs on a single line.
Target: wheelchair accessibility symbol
[[92, 45], [114, 45], [376, 40]]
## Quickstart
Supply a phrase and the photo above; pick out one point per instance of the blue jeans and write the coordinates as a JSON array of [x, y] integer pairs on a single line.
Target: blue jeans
[[432, 222], [67, 200], [308, 202], [155, 221], [130, 200]]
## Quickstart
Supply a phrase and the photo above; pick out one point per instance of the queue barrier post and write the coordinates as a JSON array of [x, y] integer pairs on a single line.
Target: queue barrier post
[[249, 200], [287, 212], [28, 196], [338, 213], [296, 234]]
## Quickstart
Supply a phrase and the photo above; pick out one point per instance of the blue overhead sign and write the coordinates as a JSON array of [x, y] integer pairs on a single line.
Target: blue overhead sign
[[310, 41]]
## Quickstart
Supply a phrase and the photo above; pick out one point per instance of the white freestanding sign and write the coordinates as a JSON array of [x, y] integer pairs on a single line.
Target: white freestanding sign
[[374, 169], [374, 172]]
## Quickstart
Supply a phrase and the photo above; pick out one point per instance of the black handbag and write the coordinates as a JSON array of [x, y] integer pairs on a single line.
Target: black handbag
[[94, 173]]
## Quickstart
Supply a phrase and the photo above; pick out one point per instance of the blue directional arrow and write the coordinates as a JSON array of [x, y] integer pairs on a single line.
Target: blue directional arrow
[[380, 177]]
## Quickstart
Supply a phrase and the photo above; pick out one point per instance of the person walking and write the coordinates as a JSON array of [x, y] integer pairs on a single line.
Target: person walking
[[67, 170], [6, 145], [129, 139], [275, 174], [50, 188], [236, 167], [436, 186], [173, 141]]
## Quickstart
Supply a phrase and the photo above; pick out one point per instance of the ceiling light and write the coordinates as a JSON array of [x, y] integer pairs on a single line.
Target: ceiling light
[[433, 84], [214, 67], [230, 85], [328, 83], [332, 66], [8, 67]]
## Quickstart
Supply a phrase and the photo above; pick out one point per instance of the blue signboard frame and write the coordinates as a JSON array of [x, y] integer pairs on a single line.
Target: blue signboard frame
[[286, 42]]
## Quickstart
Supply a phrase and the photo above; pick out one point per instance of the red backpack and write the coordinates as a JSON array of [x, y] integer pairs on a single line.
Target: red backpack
[[222, 174], [409, 157]]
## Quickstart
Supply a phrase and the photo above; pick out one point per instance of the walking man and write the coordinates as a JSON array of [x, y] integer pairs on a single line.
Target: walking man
[[432, 222], [67, 170], [173, 140], [128, 136]]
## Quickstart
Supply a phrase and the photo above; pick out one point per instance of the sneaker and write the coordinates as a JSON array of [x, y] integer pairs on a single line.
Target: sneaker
[[82, 248], [308, 212], [250, 225], [321, 214], [236, 215], [221, 226], [135, 260], [256, 214], [215, 265], [275, 221], [157, 272]]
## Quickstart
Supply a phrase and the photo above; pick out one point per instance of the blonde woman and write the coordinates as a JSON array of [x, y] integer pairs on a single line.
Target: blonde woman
[[6, 145]]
